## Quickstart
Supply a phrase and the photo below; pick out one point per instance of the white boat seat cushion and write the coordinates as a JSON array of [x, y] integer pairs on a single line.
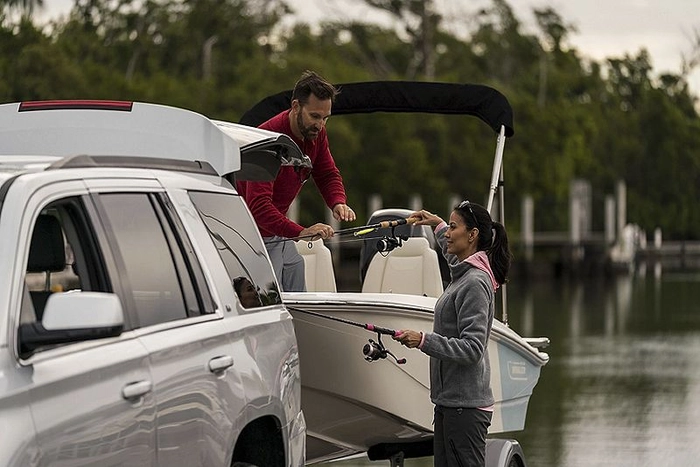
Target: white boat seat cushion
[[318, 266], [410, 269]]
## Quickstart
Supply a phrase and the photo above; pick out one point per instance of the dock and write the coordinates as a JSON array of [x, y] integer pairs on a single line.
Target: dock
[[576, 250]]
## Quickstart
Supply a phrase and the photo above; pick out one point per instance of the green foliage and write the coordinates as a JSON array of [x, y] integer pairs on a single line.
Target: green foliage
[[574, 118]]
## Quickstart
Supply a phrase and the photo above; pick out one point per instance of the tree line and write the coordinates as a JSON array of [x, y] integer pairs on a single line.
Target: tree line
[[574, 117]]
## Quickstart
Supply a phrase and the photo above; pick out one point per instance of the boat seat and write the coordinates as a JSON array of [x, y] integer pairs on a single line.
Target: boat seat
[[47, 254], [412, 269], [318, 266]]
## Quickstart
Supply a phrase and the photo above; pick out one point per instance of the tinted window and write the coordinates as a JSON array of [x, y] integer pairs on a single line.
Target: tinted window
[[197, 294], [237, 239], [147, 257]]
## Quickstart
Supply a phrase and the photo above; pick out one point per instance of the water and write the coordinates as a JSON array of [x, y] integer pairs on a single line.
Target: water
[[622, 387]]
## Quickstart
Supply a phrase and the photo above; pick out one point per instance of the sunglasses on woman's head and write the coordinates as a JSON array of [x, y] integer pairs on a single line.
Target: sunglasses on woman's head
[[468, 205]]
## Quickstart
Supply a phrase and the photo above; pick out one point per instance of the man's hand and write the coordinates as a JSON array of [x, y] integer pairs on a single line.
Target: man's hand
[[343, 212], [317, 231]]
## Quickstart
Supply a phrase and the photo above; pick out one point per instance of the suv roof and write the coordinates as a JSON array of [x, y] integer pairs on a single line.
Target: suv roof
[[63, 128]]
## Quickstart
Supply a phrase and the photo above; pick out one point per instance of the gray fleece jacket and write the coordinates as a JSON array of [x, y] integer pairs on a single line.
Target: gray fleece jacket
[[460, 373]]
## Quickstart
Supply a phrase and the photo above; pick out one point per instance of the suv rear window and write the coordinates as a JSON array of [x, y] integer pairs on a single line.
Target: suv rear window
[[162, 281], [238, 242]]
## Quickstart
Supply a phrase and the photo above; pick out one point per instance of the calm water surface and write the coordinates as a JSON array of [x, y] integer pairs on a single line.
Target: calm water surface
[[622, 387]]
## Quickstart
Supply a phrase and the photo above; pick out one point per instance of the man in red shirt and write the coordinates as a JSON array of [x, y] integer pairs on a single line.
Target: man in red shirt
[[305, 123]]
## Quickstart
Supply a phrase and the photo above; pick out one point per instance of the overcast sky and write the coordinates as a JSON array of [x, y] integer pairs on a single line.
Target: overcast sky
[[608, 28]]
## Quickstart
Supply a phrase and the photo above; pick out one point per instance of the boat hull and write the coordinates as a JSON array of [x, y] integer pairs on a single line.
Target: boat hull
[[352, 405]]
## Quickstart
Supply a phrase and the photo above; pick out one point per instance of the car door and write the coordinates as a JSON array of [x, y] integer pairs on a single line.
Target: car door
[[91, 401], [259, 323], [199, 393]]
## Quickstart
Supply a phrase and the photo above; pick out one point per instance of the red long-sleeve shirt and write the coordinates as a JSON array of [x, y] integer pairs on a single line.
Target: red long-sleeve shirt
[[270, 201]]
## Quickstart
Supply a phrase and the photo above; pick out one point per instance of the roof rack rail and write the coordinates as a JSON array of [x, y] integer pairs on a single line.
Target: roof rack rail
[[134, 162]]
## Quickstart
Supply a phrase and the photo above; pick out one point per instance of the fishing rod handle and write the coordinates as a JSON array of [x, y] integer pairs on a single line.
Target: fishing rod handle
[[396, 222], [381, 330]]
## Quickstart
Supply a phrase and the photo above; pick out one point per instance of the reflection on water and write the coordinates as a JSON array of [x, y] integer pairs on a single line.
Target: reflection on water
[[622, 387]]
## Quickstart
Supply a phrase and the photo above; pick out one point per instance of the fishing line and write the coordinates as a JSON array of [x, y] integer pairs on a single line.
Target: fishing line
[[335, 241], [374, 350], [367, 326]]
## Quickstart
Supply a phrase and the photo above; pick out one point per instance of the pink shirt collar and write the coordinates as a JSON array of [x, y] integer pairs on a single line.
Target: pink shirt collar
[[481, 261]]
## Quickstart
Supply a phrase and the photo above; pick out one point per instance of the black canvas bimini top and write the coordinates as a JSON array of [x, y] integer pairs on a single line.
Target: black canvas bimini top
[[480, 101]]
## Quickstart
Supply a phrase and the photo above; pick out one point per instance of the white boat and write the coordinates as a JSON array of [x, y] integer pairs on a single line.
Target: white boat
[[373, 402], [352, 405]]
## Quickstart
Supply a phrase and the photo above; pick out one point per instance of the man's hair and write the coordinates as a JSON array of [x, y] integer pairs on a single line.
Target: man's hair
[[312, 83]]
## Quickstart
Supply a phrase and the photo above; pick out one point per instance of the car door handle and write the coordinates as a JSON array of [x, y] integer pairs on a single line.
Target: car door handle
[[136, 390], [219, 364]]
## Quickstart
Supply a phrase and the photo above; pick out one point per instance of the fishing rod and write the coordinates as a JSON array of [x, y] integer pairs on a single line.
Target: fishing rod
[[374, 350], [365, 229], [355, 231]]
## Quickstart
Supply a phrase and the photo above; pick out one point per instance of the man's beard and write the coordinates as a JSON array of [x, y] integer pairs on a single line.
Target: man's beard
[[307, 132]]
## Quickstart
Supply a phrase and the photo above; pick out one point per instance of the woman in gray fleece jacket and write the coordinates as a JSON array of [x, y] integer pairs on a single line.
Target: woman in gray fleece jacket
[[477, 251]]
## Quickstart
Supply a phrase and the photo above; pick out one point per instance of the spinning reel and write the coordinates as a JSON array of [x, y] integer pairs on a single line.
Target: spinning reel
[[390, 242], [373, 351]]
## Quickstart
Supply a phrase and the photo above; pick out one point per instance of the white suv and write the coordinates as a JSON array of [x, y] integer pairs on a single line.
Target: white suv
[[140, 319]]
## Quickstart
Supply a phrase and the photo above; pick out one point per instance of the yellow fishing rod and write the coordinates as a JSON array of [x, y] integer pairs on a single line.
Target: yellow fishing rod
[[365, 229], [356, 231]]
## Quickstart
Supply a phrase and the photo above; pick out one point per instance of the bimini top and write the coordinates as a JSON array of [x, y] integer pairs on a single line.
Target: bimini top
[[69, 128], [483, 102]]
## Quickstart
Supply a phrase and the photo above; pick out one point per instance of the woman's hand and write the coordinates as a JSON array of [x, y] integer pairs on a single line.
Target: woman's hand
[[409, 338], [424, 217]]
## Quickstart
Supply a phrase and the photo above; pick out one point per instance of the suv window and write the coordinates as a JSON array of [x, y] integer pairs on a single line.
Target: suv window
[[239, 244], [63, 256], [162, 279]]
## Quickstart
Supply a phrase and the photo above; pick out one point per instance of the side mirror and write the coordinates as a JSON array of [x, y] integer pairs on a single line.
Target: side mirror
[[73, 317], [82, 310]]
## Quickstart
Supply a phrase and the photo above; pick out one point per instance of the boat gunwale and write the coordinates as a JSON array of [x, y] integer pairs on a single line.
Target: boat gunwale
[[500, 332]]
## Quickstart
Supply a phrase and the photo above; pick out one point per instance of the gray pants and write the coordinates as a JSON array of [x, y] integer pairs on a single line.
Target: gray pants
[[287, 263], [460, 437]]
